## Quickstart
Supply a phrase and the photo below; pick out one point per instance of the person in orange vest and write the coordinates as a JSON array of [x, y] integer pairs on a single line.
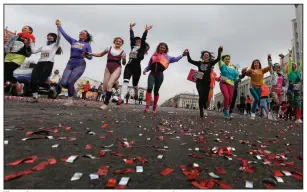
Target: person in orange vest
[[212, 85], [264, 101], [86, 88], [248, 105]]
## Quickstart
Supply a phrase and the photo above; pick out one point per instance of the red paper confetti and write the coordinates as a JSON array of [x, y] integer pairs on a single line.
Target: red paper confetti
[[141, 160], [166, 171], [103, 171], [184, 169], [297, 176], [55, 131], [102, 153], [52, 161], [104, 125], [111, 183], [29, 133], [109, 131], [18, 174], [40, 166], [68, 128], [277, 173], [197, 185], [102, 137], [223, 185], [193, 175], [123, 171], [120, 187], [195, 156], [221, 170], [72, 138], [161, 138], [117, 154], [30, 159], [268, 186], [129, 161], [88, 147], [209, 183]]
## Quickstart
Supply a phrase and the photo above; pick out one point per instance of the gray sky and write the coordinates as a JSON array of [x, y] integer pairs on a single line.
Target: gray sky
[[247, 32]]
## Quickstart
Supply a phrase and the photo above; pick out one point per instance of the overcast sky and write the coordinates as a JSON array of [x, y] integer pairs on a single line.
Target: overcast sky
[[247, 32]]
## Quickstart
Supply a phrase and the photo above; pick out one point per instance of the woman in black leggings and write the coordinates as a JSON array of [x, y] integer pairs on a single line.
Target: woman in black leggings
[[203, 77], [139, 48]]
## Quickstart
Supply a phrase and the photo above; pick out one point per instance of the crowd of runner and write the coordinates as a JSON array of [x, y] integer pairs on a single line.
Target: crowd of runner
[[284, 79]]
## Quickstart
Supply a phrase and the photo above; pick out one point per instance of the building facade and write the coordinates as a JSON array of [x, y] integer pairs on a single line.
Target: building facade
[[7, 35], [297, 37], [182, 100]]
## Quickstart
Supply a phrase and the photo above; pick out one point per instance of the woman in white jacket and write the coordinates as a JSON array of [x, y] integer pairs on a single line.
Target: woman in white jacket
[[44, 66]]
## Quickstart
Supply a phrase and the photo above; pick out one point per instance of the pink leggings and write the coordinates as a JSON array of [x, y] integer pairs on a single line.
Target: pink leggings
[[227, 91]]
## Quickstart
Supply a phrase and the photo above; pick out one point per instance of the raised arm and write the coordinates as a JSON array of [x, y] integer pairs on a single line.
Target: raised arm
[[132, 41], [266, 69], [220, 50], [142, 49], [57, 43], [270, 63], [175, 59], [220, 61], [196, 63], [289, 63], [67, 37]]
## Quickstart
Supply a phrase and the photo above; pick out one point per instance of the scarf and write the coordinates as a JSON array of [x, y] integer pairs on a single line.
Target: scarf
[[26, 36]]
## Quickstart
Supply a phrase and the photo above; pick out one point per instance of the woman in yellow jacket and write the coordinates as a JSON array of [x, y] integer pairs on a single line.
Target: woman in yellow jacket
[[256, 73]]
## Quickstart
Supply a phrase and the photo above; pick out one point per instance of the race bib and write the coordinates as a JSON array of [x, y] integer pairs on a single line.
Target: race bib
[[44, 55], [198, 75], [133, 55]]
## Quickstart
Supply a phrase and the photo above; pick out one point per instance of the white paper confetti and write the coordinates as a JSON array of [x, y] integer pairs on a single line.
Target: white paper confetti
[[94, 176], [50, 137], [108, 146], [287, 173], [160, 156], [140, 134], [124, 181], [196, 149], [258, 157], [55, 146], [148, 138], [139, 169], [214, 175], [279, 179], [195, 165], [249, 184], [71, 158], [76, 176], [6, 142]]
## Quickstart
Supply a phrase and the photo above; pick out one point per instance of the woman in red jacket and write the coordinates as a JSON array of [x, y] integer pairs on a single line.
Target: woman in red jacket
[[86, 88]]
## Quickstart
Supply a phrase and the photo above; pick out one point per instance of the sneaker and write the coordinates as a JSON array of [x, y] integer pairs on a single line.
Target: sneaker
[[299, 121], [154, 110], [253, 116], [54, 92], [226, 114], [230, 116], [205, 113], [103, 107], [120, 101], [146, 108], [69, 102], [19, 88]]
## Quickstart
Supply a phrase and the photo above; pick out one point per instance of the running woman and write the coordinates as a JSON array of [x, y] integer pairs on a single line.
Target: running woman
[[139, 48], [112, 72], [157, 64], [277, 82], [295, 87], [76, 65], [17, 48], [43, 68], [256, 73], [228, 77], [203, 80]]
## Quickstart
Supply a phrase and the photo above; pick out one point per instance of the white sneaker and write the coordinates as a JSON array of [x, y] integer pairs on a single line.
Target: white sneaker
[[69, 102], [253, 116], [230, 116], [103, 107], [299, 121], [205, 113]]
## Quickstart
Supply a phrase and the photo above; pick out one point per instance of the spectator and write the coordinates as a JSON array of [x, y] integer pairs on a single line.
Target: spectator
[[242, 103], [127, 97], [99, 92], [248, 105], [141, 97], [86, 88]]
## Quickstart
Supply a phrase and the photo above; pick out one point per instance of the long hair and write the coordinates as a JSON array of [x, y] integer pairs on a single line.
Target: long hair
[[211, 55], [89, 38], [253, 64], [162, 43]]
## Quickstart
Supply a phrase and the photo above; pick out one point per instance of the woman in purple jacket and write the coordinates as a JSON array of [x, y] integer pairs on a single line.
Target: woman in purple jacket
[[76, 64], [157, 64]]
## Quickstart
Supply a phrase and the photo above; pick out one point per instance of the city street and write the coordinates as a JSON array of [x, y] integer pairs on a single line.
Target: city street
[[172, 150]]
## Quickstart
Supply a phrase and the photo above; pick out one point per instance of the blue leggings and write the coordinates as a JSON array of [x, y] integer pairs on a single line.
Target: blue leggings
[[256, 93], [71, 74]]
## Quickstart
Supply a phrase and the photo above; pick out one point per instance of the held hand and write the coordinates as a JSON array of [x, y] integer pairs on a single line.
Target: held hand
[[269, 55], [185, 53], [132, 25], [290, 51], [144, 72], [281, 56], [243, 71], [220, 49], [58, 22], [147, 28]]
